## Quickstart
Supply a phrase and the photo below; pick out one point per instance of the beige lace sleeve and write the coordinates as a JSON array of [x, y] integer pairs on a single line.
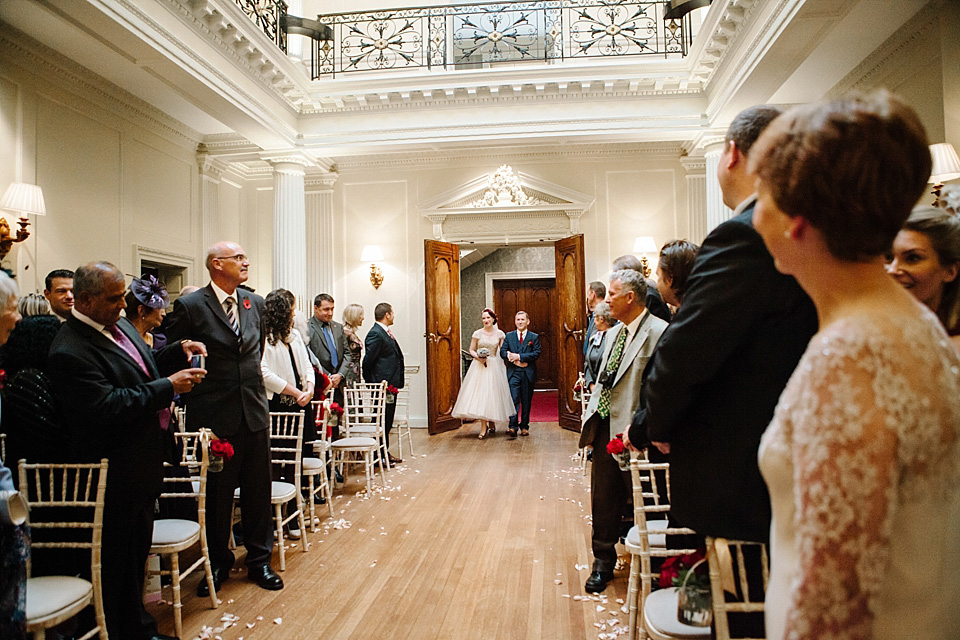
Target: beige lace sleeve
[[865, 428]]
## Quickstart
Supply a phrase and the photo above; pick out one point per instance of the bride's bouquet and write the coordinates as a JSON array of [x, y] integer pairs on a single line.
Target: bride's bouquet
[[484, 353]]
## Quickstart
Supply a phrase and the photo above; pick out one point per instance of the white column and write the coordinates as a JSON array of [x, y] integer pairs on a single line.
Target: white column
[[211, 170], [320, 241], [696, 197], [717, 212], [290, 229]]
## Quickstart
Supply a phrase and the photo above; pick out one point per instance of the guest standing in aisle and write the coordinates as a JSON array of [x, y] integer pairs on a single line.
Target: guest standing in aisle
[[384, 361]]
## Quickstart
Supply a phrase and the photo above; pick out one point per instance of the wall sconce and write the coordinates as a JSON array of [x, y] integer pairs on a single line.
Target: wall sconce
[[946, 166], [19, 198], [372, 253], [645, 245]]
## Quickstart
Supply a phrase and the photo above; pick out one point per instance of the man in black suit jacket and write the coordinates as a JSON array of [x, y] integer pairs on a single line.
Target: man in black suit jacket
[[116, 403], [232, 402], [383, 360], [520, 349], [328, 344], [720, 367]]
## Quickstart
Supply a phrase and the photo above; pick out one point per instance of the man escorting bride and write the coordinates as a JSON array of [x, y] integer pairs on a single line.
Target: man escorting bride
[[485, 394]]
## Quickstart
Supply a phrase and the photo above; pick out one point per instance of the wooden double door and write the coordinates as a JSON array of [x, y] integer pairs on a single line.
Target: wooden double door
[[568, 322], [537, 297]]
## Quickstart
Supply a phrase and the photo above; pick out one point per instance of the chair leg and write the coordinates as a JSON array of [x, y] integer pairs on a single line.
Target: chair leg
[[383, 478], [313, 517], [368, 468], [177, 604], [410, 440], [329, 492], [633, 595], [278, 518], [384, 452]]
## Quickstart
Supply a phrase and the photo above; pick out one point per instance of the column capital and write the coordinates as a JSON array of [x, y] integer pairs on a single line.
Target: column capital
[[694, 165], [288, 161], [317, 181], [210, 166]]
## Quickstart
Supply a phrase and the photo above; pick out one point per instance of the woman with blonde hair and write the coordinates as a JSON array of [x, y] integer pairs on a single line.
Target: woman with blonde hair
[[352, 321]]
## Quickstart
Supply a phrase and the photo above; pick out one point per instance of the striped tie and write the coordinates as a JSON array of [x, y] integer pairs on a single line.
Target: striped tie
[[616, 355], [232, 315]]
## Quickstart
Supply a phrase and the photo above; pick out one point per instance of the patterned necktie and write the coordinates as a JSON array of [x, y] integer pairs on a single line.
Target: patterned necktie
[[228, 306], [127, 345], [616, 355], [331, 347]]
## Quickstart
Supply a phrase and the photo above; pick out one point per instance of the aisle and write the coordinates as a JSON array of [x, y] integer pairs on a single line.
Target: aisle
[[467, 541]]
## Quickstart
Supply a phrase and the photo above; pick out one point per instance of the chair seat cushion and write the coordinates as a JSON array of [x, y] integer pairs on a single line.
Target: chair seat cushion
[[279, 492], [354, 442], [660, 617], [49, 595], [171, 532], [312, 464], [658, 540]]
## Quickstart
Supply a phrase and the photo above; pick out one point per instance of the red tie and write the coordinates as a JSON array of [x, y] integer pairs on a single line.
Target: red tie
[[389, 333], [124, 343]]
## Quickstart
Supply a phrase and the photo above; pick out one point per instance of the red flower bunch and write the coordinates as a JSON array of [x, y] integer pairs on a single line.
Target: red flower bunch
[[3, 378], [392, 389], [336, 408], [323, 382], [615, 447], [675, 569], [578, 387], [221, 448]]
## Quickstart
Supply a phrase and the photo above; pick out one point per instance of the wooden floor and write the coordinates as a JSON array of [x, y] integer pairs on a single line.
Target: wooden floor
[[470, 539]]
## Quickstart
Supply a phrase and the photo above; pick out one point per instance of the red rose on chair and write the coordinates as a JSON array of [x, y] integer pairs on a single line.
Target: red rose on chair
[[392, 389], [221, 448], [336, 409], [246, 303], [615, 446]]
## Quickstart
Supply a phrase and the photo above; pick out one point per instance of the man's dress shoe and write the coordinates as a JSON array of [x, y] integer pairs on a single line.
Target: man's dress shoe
[[266, 578], [597, 581], [395, 460], [219, 575]]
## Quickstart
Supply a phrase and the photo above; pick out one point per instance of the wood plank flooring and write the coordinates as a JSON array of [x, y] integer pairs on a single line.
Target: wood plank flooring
[[466, 542]]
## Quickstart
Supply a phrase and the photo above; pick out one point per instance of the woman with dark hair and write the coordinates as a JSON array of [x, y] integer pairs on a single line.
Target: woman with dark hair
[[147, 301], [926, 261], [676, 261], [485, 393], [861, 458]]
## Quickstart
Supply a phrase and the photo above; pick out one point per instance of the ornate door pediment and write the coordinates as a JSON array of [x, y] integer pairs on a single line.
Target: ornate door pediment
[[506, 208]]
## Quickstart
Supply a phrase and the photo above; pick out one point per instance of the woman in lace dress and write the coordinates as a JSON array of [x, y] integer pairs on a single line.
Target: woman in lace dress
[[485, 394], [862, 457]]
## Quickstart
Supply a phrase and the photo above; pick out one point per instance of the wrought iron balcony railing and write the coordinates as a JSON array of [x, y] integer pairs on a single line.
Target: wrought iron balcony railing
[[479, 35], [267, 14]]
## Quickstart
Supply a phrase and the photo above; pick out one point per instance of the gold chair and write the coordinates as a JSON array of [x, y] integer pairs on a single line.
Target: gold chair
[[726, 557], [315, 469], [647, 540], [364, 412], [50, 488], [172, 536], [401, 421], [286, 438]]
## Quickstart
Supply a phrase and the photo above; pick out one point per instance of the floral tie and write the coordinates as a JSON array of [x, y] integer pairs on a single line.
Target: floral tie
[[616, 355]]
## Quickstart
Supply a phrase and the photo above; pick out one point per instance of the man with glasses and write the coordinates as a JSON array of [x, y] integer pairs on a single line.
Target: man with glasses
[[232, 402]]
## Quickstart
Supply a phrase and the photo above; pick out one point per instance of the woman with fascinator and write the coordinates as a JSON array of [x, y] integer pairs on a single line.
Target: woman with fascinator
[[147, 302]]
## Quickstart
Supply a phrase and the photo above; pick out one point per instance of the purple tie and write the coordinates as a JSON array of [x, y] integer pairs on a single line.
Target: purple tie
[[124, 343]]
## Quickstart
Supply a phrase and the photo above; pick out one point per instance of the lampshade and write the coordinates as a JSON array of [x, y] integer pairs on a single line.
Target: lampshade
[[946, 164], [25, 198], [644, 244], [371, 253]]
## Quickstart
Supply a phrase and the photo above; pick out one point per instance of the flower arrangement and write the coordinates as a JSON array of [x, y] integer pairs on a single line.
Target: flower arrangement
[[323, 382], [578, 390], [392, 392], [333, 418], [220, 450], [618, 450], [675, 569], [688, 572]]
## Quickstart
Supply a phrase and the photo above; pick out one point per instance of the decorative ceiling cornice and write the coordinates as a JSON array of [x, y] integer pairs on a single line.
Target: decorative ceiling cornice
[[722, 27], [57, 72]]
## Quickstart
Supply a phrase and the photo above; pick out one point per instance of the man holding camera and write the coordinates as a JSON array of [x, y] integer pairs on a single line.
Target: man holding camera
[[617, 395]]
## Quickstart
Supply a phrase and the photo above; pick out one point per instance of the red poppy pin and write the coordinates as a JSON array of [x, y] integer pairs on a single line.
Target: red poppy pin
[[246, 303]]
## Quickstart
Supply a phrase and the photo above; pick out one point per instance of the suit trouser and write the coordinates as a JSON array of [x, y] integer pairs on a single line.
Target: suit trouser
[[521, 389], [610, 492], [249, 468], [127, 535], [390, 410]]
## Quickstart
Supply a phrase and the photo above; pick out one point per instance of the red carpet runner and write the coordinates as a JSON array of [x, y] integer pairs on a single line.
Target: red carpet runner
[[544, 406]]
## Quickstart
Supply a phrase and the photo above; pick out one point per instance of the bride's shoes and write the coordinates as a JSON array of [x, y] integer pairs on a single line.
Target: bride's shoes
[[490, 429]]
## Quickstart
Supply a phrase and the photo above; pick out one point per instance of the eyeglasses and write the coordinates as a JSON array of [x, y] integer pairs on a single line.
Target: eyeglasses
[[239, 258]]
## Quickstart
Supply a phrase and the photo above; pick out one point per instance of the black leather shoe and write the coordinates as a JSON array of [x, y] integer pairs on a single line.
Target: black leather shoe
[[266, 578], [219, 575], [395, 460], [339, 477], [597, 581]]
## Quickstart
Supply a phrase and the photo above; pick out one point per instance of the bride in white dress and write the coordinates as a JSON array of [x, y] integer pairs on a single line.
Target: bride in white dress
[[484, 393], [862, 457]]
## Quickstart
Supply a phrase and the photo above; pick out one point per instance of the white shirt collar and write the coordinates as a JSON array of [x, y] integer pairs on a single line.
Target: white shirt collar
[[385, 328], [223, 295], [743, 205], [632, 328], [87, 320]]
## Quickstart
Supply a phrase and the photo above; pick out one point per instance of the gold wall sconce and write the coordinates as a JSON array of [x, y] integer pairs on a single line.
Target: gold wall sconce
[[19, 198], [644, 245], [946, 166], [373, 254]]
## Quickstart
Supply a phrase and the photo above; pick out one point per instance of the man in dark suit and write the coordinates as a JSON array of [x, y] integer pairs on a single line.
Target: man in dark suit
[[720, 367], [616, 396], [383, 360], [520, 349], [654, 302], [328, 344], [116, 402], [596, 292], [232, 403]]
